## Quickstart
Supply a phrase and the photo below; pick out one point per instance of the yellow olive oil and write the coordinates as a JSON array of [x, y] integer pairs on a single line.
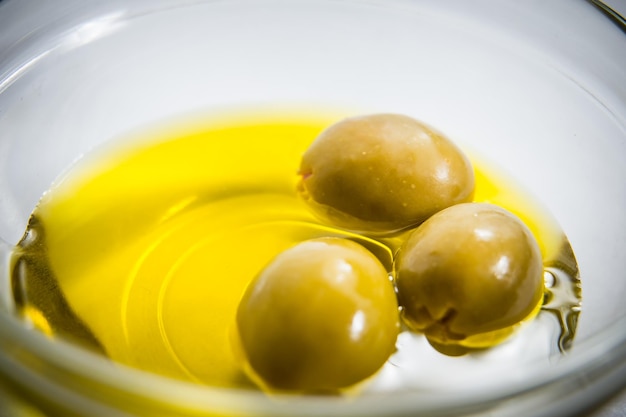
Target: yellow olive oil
[[142, 250]]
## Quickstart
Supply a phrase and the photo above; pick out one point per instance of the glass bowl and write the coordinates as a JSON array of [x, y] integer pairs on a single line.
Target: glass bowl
[[538, 88]]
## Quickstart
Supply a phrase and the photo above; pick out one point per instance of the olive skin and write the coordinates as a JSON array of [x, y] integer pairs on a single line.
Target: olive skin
[[321, 316], [470, 269], [383, 172]]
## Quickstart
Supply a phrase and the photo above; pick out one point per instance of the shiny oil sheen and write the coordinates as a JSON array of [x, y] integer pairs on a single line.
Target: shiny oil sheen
[[143, 249]]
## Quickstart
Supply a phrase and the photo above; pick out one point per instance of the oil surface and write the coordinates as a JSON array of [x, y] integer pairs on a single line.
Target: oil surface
[[142, 250]]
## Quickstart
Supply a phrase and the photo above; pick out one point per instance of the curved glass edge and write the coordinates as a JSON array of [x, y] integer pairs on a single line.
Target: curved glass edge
[[613, 12], [14, 404], [33, 361], [601, 356], [6, 299]]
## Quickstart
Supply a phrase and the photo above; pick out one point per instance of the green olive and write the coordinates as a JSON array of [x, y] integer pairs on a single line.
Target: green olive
[[321, 316], [472, 269], [381, 173]]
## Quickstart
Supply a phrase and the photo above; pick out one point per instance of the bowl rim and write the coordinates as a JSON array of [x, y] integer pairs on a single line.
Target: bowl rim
[[593, 357], [63, 359]]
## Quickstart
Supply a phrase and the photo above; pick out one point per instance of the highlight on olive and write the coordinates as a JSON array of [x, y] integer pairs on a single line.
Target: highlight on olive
[[322, 316], [467, 274], [381, 173]]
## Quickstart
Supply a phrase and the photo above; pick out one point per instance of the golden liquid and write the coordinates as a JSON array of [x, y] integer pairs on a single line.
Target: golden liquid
[[142, 250]]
